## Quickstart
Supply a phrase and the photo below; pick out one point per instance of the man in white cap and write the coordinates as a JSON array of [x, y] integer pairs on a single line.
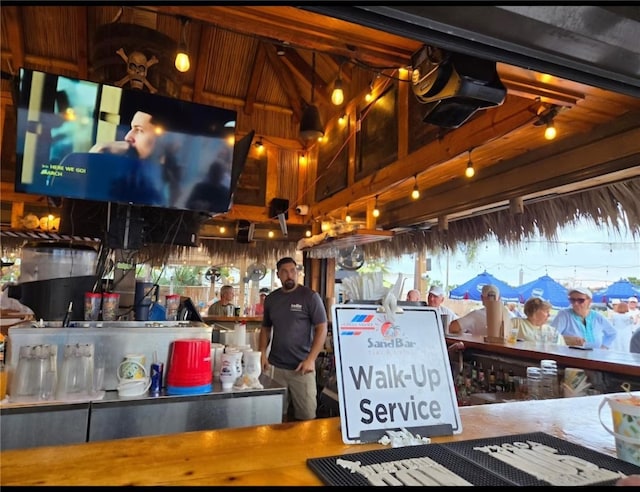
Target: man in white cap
[[435, 297], [475, 322], [582, 326]]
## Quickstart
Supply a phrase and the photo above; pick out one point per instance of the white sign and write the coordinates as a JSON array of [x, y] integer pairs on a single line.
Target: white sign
[[393, 372]]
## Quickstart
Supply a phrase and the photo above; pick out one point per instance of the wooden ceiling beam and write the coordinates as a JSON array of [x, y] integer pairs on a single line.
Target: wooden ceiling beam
[[290, 88], [307, 30], [257, 68], [15, 36], [200, 75], [489, 126], [83, 43], [576, 164]]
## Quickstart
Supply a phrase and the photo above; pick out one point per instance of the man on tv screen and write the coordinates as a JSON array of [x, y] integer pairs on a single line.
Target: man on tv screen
[[147, 166], [152, 165]]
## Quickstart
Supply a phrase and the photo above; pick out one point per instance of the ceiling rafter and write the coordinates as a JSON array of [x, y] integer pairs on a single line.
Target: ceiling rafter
[[257, 68], [83, 43], [200, 74], [15, 36], [290, 88], [306, 30]]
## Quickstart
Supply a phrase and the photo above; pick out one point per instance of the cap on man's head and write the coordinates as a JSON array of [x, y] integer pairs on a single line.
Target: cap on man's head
[[582, 290], [632, 299], [490, 290], [264, 291], [436, 290]]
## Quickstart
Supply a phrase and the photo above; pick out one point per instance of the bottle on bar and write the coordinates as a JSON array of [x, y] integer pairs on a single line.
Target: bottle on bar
[[492, 380]]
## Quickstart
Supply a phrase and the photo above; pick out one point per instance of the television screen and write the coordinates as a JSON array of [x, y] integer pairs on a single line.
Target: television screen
[[91, 141]]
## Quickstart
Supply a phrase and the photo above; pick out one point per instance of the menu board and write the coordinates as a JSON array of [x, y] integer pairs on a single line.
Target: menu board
[[393, 372]]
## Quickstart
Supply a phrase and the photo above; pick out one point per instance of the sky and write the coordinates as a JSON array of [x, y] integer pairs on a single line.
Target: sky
[[585, 255]]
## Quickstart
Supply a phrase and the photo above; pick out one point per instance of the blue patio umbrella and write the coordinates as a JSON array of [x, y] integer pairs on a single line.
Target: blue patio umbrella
[[621, 289], [545, 288], [472, 289]]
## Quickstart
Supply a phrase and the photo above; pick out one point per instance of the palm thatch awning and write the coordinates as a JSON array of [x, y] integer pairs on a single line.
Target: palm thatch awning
[[615, 207]]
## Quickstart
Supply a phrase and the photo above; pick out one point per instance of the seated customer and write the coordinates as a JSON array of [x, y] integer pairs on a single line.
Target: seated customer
[[413, 295], [475, 322], [435, 296], [221, 307], [581, 325], [537, 313]]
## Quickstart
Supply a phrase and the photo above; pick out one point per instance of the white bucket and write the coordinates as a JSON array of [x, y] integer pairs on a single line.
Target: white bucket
[[625, 412]]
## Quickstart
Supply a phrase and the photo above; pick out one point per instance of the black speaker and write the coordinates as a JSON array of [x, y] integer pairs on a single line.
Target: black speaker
[[244, 231], [454, 86], [279, 206]]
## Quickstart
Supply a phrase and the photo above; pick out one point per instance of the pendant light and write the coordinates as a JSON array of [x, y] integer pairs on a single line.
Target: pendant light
[[337, 96], [182, 61], [310, 125], [469, 171], [376, 210], [415, 194]]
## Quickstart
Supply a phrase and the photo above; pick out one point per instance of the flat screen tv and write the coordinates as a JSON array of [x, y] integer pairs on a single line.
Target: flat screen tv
[[85, 140]]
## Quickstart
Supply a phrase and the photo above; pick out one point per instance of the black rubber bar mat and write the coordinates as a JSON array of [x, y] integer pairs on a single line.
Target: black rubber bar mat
[[493, 462]]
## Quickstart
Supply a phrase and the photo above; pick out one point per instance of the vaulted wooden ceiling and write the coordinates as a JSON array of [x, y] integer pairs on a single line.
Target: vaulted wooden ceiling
[[257, 61]]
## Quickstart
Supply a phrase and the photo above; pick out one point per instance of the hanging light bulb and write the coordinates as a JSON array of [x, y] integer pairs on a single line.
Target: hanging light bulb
[[182, 61], [469, 171], [260, 146], [347, 217], [337, 96], [342, 120], [271, 234], [376, 210], [550, 131], [415, 194], [307, 233], [302, 160], [369, 95]]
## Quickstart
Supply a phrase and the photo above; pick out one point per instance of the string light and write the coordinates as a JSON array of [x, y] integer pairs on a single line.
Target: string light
[[376, 211], [469, 171], [369, 95], [347, 217], [415, 194], [302, 160], [342, 120], [271, 234], [260, 146], [307, 233]]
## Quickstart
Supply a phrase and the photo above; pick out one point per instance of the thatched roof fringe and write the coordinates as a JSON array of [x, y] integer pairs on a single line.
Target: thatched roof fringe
[[616, 207]]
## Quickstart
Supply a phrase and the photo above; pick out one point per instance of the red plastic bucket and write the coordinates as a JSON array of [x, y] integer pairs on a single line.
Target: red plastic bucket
[[190, 363]]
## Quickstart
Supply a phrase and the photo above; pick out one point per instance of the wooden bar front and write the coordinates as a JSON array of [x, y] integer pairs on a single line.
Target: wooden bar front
[[277, 454], [623, 363]]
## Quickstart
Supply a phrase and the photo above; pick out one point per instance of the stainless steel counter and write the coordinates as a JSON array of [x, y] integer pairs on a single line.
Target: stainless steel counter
[[26, 425]]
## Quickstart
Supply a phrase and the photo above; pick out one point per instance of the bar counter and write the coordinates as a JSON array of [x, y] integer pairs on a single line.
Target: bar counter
[[623, 363], [276, 454]]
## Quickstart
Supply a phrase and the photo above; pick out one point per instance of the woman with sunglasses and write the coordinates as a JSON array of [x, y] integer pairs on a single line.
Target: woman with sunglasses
[[582, 326]]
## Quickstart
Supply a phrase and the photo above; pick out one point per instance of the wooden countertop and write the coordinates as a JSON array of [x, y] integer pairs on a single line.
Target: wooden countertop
[[277, 454], [625, 363]]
